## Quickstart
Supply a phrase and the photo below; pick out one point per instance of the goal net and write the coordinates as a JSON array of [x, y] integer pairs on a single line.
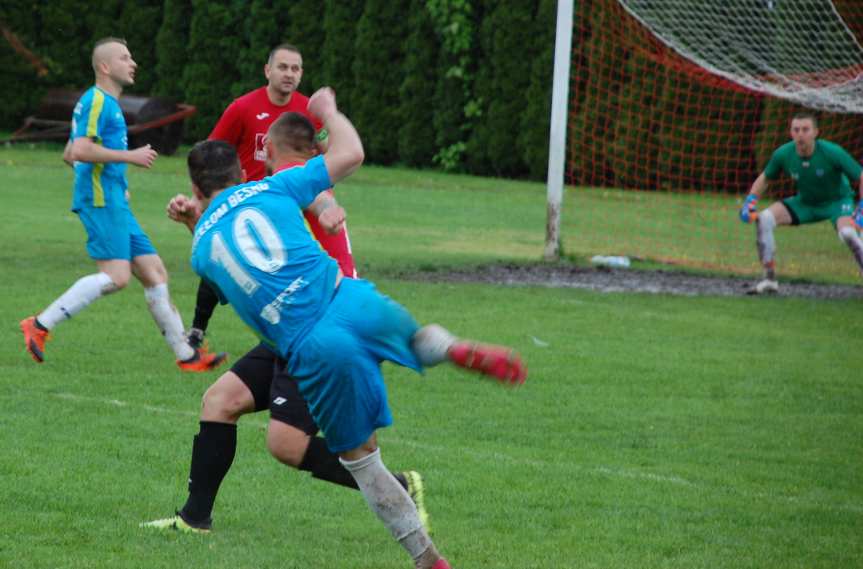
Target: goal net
[[676, 106]]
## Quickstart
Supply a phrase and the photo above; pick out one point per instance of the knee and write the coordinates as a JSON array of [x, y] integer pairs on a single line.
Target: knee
[[431, 344], [765, 221], [151, 272], [120, 281], [289, 452], [224, 405], [119, 278], [155, 276]]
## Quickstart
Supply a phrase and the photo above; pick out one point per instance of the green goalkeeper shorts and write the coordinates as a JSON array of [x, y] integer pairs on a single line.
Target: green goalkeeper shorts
[[807, 213]]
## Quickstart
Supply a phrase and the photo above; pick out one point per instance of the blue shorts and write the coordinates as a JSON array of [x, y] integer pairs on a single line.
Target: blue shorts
[[114, 233], [337, 365]]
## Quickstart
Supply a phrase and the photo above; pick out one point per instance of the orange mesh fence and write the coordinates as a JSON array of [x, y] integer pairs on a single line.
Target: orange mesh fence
[[661, 151]]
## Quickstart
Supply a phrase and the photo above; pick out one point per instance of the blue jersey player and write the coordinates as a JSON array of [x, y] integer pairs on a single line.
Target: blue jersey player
[[250, 243], [98, 149]]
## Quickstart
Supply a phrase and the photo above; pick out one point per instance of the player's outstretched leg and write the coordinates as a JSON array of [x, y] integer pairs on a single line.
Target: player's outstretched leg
[[85, 290], [433, 344], [500, 362]]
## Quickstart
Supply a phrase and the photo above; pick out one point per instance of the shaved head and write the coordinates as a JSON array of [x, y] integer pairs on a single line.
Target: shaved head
[[105, 50], [113, 65]]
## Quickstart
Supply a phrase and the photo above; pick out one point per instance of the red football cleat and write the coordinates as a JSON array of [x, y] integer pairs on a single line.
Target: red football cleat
[[500, 362], [203, 361], [441, 564], [34, 338]]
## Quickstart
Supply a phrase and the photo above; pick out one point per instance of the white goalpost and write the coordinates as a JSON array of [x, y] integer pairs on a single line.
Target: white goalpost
[[557, 136]]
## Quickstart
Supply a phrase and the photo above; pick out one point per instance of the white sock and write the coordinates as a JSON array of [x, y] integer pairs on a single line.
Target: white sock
[[168, 320], [83, 292], [431, 344], [766, 243], [390, 502], [849, 236]]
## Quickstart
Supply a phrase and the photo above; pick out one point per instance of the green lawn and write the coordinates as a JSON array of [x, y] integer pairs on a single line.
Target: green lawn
[[654, 431]]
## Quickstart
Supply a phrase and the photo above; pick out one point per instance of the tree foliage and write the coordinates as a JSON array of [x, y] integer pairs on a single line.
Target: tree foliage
[[416, 135], [209, 74], [405, 71], [378, 72]]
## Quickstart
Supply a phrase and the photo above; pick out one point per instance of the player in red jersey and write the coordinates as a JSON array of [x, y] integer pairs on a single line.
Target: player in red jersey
[[246, 387], [245, 122], [244, 125]]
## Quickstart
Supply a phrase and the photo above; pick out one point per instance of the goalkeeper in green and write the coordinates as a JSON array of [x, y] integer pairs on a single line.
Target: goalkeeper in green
[[823, 174]]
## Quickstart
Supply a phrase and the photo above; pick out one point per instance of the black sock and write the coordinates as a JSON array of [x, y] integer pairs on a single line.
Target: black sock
[[212, 454], [325, 465], [205, 304]]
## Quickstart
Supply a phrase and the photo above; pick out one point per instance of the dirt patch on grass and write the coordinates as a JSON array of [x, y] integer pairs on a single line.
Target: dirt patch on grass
[[626, 280]]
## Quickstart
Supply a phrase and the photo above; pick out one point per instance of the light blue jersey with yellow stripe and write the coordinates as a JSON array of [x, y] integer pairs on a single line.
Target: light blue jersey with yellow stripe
[[98, 117]]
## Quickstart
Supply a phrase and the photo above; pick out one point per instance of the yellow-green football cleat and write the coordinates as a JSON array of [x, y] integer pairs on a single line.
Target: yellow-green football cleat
[[417, 494], [177, 523]]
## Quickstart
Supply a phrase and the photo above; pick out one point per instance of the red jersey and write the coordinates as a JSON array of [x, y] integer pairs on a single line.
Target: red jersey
[[245, 122], [337, 246]]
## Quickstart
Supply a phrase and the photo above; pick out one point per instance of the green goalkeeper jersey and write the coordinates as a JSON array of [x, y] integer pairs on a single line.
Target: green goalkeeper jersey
[[821, 178]]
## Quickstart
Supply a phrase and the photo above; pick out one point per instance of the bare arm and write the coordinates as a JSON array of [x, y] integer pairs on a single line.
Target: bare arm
[[345, 149], [330, 214], [83, 149], [759, 185], [67, 154]]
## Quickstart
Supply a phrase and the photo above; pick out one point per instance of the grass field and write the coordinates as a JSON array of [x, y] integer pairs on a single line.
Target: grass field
[[654, 431]]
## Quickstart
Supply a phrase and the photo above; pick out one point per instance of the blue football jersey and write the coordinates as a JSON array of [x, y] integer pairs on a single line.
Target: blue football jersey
[[252, 244], [98, 116]]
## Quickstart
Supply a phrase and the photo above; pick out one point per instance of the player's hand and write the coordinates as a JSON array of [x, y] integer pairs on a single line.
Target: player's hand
[[332, 219], [323, 103], [184, 209], [749, 211], [143, 156], [857, 216]]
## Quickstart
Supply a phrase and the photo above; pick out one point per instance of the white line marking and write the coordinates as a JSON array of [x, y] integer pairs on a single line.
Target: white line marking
[[486, 456]]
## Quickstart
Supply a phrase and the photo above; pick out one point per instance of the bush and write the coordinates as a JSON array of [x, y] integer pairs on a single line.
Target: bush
[[416, 136], [378, 73]]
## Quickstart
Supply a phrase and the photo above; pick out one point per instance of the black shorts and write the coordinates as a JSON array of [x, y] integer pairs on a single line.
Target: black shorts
[[263, 372]]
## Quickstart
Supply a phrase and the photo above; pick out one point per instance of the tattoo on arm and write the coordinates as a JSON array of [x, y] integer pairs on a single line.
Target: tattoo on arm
[[323, 202]]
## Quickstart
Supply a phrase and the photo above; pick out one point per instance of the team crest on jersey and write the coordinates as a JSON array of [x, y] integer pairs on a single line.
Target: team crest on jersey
[[262, 116], [260, 147]]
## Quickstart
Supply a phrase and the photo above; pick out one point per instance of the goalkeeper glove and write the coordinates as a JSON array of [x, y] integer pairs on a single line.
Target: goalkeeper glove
[[749, 213], [857, 216]]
